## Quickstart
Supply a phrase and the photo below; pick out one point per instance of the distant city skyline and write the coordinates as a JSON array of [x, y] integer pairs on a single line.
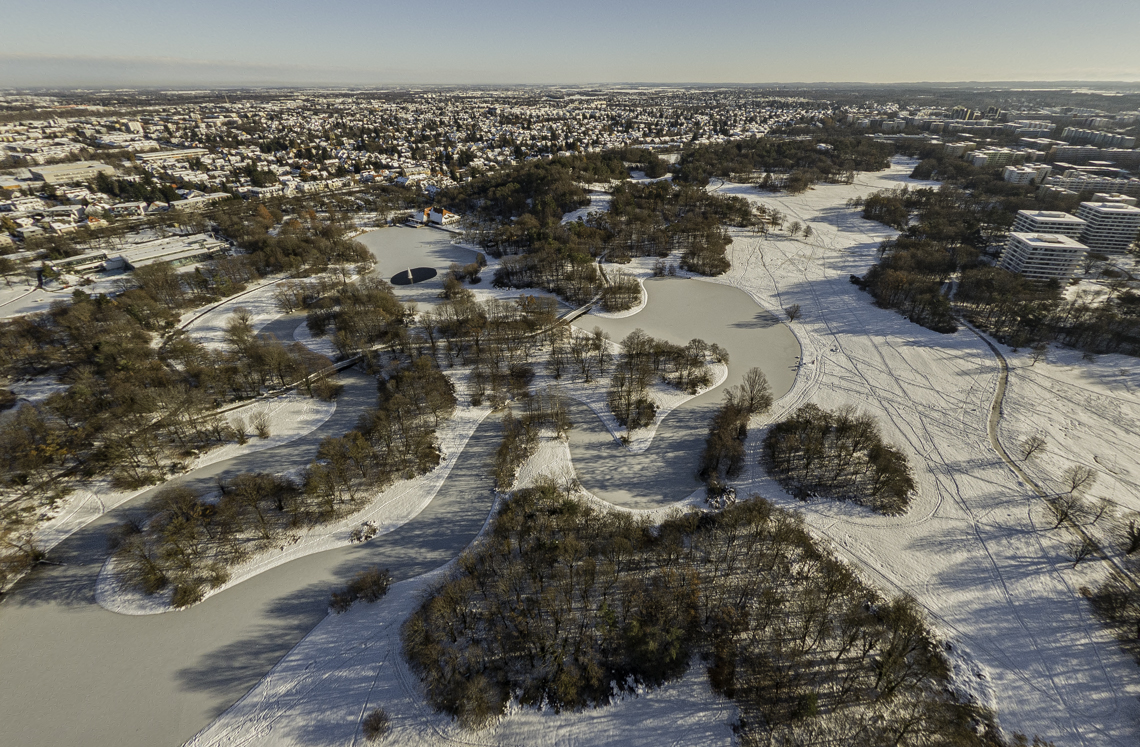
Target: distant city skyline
[[289, 42]]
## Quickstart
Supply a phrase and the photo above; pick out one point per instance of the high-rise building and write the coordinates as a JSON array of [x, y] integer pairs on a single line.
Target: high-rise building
[[1048, 221], [1112, 226], [1043, 256]]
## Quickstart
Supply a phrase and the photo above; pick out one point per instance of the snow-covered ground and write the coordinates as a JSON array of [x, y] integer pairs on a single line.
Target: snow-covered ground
[[974, 549], [599, 203], [1089, 413], [291, 416], [209, 328]]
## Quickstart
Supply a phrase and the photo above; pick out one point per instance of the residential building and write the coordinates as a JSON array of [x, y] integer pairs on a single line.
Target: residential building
[[1077, 182], [1121, 199], [1112, 227], [1026, 174], [1107, 139], [996, 157], [1043, 256], [442, 217], [1048, 221]]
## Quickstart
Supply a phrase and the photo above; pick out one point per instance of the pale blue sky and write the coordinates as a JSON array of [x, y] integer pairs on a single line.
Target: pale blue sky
[[131, 42]]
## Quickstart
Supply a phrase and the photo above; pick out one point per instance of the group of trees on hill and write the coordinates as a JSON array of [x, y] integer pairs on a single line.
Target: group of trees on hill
[[362, 316], [128, 406], [188, 542], [838, 455], [799, 162], [562, 602], [302, 242], [498, 339], [517, 215], [132, 409]]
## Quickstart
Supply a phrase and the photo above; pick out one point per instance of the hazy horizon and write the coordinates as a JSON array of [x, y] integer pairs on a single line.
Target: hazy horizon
[[507, 42]]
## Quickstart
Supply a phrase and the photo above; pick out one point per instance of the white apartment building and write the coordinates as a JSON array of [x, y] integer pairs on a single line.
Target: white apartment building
[[1115, 198], [996, 157], [1048, 221], [1112, 226], [1026, 174], [1076, 182], [1043, 256]]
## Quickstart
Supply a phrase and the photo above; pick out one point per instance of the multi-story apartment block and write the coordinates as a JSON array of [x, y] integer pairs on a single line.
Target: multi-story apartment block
[[1048, 221], [1112, 226], [1043, 256]]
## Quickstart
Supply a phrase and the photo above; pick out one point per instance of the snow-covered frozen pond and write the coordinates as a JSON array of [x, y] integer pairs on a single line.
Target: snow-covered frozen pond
[[679, 310]]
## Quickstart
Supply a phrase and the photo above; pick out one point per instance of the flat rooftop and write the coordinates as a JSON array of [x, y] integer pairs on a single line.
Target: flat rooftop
[[1050, 241]]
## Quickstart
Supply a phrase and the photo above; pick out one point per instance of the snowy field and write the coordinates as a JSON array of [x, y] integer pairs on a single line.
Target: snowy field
[[974, 549], [599, 203], [1089, 414], [209, 327]]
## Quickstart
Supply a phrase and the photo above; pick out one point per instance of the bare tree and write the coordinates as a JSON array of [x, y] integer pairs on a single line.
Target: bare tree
[[1099, 509], [1082, 549], [260, 423], [1079, 479], [1068, 507], [793, 312], [1031, 446], [1038, 352], [754, 394]]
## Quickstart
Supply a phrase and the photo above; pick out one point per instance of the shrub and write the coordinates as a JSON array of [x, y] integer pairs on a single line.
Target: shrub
[[376, 725], [369, 585], [260, 423]]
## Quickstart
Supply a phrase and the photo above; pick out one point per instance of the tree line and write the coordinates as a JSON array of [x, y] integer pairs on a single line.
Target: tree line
[[722, 457], [563, 602], [799, 162]]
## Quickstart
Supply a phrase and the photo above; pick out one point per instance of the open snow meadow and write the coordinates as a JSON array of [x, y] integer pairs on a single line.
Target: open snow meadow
[[260, 661]]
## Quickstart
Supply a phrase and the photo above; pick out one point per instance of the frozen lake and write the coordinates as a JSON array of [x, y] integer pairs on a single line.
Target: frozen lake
[[679, 310]]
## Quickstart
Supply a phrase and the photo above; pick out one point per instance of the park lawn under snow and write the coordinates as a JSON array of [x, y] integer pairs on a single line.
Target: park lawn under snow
[[974, 549]]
